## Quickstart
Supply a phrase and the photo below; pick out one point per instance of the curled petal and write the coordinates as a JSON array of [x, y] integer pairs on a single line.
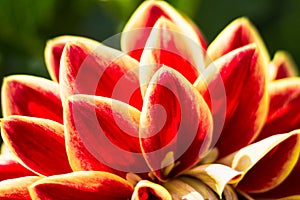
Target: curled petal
[[266, 163], [38, 144], [99, 70], [87, 185], [284, 110], [216, 176], [23, 94], [137, 30], [240, 73], [282, 66], [238, 33], [167, 45], [54, 49], [102, 134], [10, 168], [175, 125], [146, 190], [17, 188]]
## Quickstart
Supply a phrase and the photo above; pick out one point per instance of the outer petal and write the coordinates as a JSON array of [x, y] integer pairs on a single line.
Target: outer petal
[[149, 190], [216, 176], [266, 163], [282, 66], [102, 134], [238, 33], [54, 49], [38, 143], [167, 45], [284, 111], [87, 185], [23, 94], [99, 70], [10, 168], [241, 72], [175, 124], [17, 189], [137, 29]]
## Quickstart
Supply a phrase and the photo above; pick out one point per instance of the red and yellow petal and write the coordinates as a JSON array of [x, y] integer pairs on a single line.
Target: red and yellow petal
[[282, 66], [17, 188], [149, 190], [10, 168], [284, 110], [88, 185], [31, 96], [138, 28], [38, 144], [266, 163], [102, 134], [168, 45], [99, 70], [236, 82], [238, 33], [54, 49], [175, 124]]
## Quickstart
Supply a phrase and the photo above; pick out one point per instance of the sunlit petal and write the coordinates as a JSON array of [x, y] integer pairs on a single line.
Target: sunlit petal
[[88, 185], [31, 96], [38, 143]]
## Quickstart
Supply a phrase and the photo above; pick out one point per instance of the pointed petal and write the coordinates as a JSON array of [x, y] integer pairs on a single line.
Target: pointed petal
[[17, 189], [110, 73], [284, 110], [82, 185], [102, 134], [10, 168], [149, 190], [54, 49], [240, 73], [38, 143], [266, 163], [138, 28], [282, 66], [238, 33], [167, 45], [175, 124], [216, 176], [31, 96]]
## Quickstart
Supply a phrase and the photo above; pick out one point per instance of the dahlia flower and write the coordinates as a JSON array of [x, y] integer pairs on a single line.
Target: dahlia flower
[[166, 117]]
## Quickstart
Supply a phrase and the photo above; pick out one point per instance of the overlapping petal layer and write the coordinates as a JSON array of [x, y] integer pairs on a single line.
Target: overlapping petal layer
[[110, 73], [138, 28], [175, 124], [169, 46], [282, 66], [38, 143], [96, 128], [149, 190], [31, 96], [87, 185], [53, 52]]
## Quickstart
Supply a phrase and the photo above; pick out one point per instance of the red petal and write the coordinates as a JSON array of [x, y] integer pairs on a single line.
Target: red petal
[[38, 143], [175, 125], [167, 45], [31, 96], [284, 111], [99, 70], [149, 190], [137, 29], [241, 73], [17, 189], [274, 167], [283, 66], [87, 185], [10, 168], [238, 33], [102, 134], [53, 51]]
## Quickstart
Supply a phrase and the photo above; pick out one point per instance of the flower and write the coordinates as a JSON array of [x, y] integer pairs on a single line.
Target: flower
[[168, 117]]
